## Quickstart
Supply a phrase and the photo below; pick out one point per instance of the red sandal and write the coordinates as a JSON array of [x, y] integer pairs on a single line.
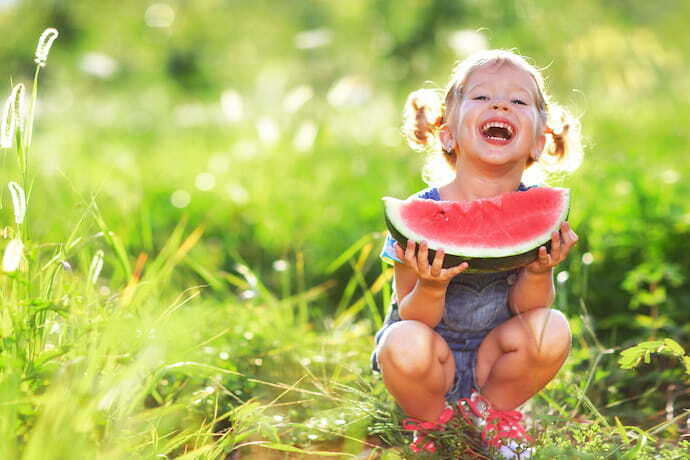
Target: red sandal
[[500, 429], [420, 428]]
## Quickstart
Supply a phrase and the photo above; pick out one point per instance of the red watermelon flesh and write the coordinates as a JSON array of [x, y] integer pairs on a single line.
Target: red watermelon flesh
[[507, 225]]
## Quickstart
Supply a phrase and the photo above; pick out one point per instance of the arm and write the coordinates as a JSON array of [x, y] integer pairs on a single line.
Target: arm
[[421, 288], [534, 287]]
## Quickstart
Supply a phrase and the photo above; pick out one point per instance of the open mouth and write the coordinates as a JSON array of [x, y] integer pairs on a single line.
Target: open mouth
[[497, 132]]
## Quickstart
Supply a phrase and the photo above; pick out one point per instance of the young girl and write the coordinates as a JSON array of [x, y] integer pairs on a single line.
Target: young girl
[[487, 342]]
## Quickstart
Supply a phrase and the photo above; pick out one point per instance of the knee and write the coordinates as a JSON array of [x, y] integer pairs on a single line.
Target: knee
[[408, 347], [550, 335]]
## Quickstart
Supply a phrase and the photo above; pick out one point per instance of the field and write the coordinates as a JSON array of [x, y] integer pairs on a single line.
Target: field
[[190, 222]]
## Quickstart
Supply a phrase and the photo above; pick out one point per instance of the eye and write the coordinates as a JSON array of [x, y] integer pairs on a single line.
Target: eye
[[480, 98], [518, 101]]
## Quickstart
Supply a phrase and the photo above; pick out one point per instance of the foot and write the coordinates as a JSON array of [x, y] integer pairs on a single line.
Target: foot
[[500, 429], [419, 440]]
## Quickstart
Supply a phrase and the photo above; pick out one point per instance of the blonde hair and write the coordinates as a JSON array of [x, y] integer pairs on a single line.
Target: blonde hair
[[425, 113]]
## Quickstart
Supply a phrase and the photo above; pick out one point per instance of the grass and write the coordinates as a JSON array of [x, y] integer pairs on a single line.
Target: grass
[[131, 332]]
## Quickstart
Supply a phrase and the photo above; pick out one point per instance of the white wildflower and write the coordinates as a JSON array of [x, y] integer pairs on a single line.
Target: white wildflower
[[96, 266], [44, 43], [18, 201], [13, 255]]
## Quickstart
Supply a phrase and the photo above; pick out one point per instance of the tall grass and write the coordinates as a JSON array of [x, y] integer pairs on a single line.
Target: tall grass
[[111, 354]]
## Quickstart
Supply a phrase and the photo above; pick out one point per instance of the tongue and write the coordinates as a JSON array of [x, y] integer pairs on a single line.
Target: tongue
[[495, 131]]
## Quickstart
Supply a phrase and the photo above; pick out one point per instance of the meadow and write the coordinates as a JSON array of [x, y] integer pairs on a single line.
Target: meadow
[[191, 220]]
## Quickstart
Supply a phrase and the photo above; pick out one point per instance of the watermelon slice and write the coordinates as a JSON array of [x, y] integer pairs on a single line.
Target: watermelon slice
[[492, 234]]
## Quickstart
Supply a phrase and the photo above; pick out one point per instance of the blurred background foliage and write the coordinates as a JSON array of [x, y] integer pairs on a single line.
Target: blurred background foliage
[[275, 125]]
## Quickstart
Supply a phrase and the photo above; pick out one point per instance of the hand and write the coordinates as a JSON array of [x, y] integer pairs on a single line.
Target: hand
[[433, 275], [561, 242]]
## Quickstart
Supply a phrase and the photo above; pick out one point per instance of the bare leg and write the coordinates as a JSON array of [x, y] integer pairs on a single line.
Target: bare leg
[[418, 368], [519, 357]]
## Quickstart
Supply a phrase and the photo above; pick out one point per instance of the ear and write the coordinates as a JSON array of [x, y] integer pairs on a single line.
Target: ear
[[446, 137], [541, 142]]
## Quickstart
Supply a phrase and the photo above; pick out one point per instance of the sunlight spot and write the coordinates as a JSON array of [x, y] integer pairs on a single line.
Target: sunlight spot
[[180, 198], [224, 355], [587, 258], [306, 134], [268, 130], [245, 150], [159, 15], [305, 361], [209, 350], [98, 64], [258, 362], [312, 436], [466, 42], [232, 105], [562, 277], [192, 114], [219, 163], [237, 193], [278, 418], [349, 90], [339, 422], [247, 294], [315, 38], [205, 181], [623, 187], [295, 99], [280, 265], [319, 359], [248, 335], [670, 176]]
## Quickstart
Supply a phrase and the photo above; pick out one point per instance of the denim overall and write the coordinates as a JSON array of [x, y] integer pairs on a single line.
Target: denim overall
[[474, 305]]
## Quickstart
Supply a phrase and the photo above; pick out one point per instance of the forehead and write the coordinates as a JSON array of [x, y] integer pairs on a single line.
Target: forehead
[[503, 74]]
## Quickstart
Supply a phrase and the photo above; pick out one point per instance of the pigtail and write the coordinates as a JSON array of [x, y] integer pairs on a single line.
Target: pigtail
[[563, 148], [423, 115]]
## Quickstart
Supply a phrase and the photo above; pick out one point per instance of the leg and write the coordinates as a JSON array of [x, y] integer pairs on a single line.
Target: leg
[[519, 357], [418, 368]]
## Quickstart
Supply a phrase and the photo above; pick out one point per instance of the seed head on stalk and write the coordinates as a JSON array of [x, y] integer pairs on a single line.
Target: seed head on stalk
[[96, 266], [13, 255], [18, 201], [7, 126], [44, 43], [18, 106]]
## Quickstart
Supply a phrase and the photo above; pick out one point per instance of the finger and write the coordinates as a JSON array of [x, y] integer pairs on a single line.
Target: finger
[[399, 253], [452, 272], [423, 257], [409, 254], [543, 255], [555, 244], [437, 265]]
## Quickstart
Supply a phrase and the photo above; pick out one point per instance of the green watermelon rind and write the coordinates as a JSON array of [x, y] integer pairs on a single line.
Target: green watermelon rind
[[507, 258]]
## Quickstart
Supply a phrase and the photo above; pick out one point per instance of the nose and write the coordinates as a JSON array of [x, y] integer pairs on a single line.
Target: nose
[[500, 105]]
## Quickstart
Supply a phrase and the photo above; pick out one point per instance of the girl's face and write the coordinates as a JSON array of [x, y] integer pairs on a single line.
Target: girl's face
[[497, 121]]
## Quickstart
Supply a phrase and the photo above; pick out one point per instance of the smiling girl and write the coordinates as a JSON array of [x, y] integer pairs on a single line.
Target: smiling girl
[[478, 345]]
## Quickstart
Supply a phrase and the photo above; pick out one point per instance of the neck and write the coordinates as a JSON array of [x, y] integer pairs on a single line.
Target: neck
[[474, 182]]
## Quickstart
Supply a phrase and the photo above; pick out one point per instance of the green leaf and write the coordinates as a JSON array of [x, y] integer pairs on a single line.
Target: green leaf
[[673, 347]]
